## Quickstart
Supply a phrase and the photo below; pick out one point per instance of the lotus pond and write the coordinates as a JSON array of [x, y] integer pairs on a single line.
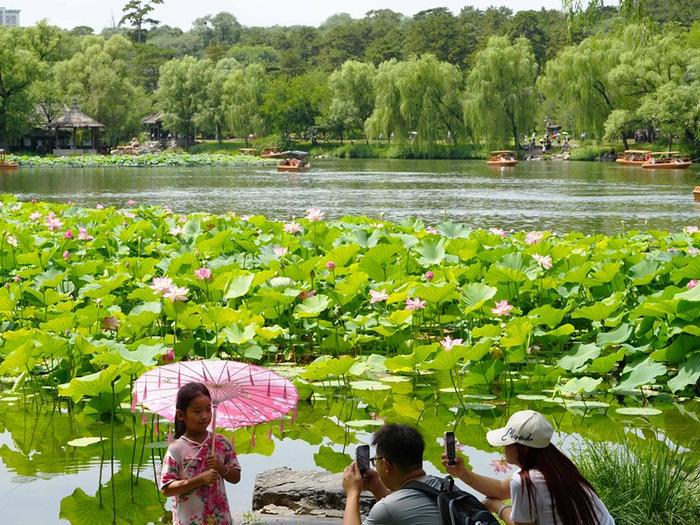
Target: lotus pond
[[439, 325], [560, 196]]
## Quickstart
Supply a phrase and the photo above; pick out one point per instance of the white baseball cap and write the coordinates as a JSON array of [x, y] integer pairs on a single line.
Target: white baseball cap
[[526, 427]]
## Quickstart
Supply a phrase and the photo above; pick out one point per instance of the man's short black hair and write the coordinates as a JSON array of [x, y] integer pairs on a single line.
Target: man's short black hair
[[402, 445]]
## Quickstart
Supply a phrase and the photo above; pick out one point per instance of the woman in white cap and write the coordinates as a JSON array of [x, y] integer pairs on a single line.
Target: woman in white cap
[[548, 490]]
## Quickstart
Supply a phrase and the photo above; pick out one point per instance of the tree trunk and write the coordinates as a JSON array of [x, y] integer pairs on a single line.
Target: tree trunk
[[624, 141], [217, 132]]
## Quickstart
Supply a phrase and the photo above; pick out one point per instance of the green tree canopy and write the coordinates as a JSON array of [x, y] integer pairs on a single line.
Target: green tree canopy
[[243, 97], [501, 101], [97, 76], [182, 93]]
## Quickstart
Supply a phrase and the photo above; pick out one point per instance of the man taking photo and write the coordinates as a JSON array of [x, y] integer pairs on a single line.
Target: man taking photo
[[398, 460]]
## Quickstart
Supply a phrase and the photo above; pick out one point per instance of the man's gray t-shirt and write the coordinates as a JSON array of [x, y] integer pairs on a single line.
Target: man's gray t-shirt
[[407, 507]]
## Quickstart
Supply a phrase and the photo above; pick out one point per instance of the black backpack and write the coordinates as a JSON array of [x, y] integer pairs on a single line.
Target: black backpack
[[456, 506]]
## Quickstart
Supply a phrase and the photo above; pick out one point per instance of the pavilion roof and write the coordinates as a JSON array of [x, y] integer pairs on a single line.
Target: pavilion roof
[[74, 118], [152, 119]]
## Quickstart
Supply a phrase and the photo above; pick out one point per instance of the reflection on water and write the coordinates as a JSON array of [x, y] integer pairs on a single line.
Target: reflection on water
[[585, 196], [35, 458]]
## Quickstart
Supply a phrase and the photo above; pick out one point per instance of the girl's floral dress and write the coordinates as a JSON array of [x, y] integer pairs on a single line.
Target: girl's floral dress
[[186, 459]]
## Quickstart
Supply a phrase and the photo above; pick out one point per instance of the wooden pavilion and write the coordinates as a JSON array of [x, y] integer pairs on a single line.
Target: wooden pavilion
[[72, 121]]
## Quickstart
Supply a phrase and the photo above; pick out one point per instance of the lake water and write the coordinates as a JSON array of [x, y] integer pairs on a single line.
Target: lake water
[[562, 196]]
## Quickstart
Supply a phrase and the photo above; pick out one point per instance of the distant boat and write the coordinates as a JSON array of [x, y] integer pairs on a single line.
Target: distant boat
[[294, 161], [270, 152], [666, 160], [7, 165], [634, 157], [502, 158]]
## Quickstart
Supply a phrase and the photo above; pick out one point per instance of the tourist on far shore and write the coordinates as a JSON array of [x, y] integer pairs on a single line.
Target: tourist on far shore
[[548, 489]]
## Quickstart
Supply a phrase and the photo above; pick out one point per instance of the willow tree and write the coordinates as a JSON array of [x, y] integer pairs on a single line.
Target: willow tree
[[352, 96], [243, 96], [182, 93], [98, 77], [501, 101], [418, 95], [578, 81], [211, 115]]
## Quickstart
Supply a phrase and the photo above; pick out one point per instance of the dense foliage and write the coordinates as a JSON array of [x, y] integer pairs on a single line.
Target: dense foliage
[[105, 292], [432, 78]]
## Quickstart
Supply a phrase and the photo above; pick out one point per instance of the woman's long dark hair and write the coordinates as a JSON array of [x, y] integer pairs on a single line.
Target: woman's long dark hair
[[185, 396], [570, 491]]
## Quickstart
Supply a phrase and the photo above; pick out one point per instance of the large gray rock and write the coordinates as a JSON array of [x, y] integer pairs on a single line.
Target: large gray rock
[[303, 492]]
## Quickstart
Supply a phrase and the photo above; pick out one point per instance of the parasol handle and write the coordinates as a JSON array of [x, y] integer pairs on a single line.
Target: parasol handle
[[212, 450]]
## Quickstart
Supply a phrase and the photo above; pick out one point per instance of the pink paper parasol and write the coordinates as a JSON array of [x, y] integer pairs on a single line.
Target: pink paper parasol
[[242, 394]]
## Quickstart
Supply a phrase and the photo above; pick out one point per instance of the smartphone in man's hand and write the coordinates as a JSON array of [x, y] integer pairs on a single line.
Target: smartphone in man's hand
[[362, 458], [450, 448]]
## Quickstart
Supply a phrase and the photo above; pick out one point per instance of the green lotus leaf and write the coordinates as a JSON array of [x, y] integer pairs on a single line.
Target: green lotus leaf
[[547, 315], [332, 461], [688, 374], [436, 294], [577, 385], [85, 441], [341, 255], [641, 373], [475, 295], [644, 272], [638, 411], [410, 362], [603, 274], [325, 366], [491, 331], [369, 385], [431, 253], [561, 332], [238, 286], [531, 397], [605, 364], [453, 230], [517, 333], [51, 278], [615, 337], [92, 385], [363, 423], [599, 310], [577, 359], [312, 307], [238, 335]]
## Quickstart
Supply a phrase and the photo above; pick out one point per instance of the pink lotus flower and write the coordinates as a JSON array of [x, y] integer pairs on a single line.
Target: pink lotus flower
[[376, 296], [314, 214], [128, 214], [99, 206], [12, 241], [66, 255], [330, 265], [429, 276], [533, 237], [176, 230], [83, 235], [691, 229], [498, 231], [448, 343], [545, 261], [130, 202], [693, 251], [34, 216], [280, 251], [245, 218], [203, 273], [182, 219], [161, 284], [500, 465], [110, 323], [53, 223], [177, 293], [502, 308], [415, 304], [68, 234], [693, 283], [168, 356], [430, 229], [292, 227]]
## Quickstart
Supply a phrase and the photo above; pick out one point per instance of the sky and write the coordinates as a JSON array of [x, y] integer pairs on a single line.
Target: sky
[[181, 13]]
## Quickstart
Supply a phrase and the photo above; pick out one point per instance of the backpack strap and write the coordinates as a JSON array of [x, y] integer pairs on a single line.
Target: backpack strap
[[421, 487]]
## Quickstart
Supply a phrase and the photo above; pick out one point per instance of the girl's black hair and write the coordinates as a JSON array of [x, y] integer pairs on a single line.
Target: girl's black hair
[[185, 395]]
